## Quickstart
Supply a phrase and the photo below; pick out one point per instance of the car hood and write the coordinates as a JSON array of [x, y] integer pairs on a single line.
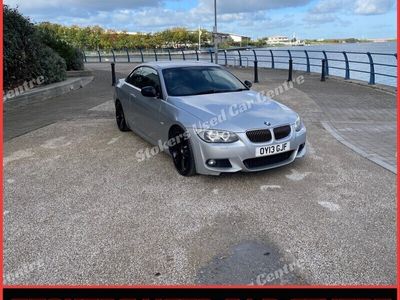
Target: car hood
[[237, 111]]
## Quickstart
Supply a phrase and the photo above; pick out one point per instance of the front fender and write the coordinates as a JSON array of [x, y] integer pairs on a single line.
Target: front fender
[[171, 115]]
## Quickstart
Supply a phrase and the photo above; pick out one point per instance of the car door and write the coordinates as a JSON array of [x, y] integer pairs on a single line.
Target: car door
[[131, 91], [147, 109]]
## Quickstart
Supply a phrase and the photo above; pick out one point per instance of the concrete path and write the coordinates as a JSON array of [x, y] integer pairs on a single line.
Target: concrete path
[[40, 93], [24, 116], [80, 209]]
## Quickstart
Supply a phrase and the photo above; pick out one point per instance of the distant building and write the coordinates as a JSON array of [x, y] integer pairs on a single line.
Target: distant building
[[239, 38], [226, 37], [129, 32], [381, 40], [283, 40], [279, 39]]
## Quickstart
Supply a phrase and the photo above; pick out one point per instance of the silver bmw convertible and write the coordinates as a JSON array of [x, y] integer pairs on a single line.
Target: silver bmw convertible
[[208, 120]]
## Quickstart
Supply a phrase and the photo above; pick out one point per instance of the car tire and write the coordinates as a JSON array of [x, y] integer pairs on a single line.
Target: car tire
[[182, 154], [120, 117]]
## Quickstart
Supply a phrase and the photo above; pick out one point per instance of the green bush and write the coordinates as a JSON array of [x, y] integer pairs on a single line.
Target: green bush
[[25, 56], [73, 57], [77, 60], [52, 65]]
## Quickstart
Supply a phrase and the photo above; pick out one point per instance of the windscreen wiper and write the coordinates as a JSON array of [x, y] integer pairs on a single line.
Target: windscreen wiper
[[239, 90], [213, 91], [207, 92]]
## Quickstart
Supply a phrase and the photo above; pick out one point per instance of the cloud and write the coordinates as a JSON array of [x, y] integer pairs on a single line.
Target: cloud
[[359, 7], [145, 19], [248, 17], [78, 7], [237, 6], [320, 18], [329, 11], [373, 7], [86, 7], [151, 15], [328, 6], [325, 11]]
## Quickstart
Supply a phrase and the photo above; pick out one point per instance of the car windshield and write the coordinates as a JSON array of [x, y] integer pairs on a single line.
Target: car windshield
[[189, 81]]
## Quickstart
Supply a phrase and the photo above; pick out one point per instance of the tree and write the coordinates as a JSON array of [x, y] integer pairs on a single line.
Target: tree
[[26, 57], [96, 38]]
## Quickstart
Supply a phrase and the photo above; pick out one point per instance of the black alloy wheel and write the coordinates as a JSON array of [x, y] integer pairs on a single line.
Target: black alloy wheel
[[182, 154], [120, 117]]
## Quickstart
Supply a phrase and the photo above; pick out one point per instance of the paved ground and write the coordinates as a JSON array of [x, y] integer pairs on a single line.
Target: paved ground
[[80, 209], [20, 118]]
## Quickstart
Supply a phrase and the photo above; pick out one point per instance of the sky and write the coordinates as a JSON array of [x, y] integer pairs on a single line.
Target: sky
[[306, 19]]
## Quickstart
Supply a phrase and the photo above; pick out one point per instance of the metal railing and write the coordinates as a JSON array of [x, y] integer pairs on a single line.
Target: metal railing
[[341, 63]]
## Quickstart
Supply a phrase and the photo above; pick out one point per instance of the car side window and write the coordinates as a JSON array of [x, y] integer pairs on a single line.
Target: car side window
[[136, 78], [150, 78], [207, 75]]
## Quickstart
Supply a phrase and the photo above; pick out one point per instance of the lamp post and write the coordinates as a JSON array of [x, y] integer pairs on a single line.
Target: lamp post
[[215, 32], [199, 38]]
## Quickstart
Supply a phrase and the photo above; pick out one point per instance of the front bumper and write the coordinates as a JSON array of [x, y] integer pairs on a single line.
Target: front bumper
[[240, 152]]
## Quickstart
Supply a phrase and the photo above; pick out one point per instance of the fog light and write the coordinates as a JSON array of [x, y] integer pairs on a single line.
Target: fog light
[[301, 147], [211, 162]]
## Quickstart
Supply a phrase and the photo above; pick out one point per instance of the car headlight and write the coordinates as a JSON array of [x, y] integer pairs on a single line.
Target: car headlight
[[217, 136], [298, 124]]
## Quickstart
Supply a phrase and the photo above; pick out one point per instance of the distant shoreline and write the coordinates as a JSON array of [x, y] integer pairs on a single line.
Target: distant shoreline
[[294, 46]]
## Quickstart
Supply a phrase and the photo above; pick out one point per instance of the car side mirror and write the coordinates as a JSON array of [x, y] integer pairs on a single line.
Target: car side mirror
[[149, 91], [248, 83]]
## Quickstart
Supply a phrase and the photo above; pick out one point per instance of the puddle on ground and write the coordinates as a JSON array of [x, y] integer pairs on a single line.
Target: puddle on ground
[[251, 262]]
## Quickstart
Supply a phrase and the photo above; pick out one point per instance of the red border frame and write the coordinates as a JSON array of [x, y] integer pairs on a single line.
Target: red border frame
[[188, 286], [397, 147], [1, 159], [203, 286]]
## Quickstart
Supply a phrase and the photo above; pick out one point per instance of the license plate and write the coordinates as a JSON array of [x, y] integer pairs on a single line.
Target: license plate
[[272, 149]]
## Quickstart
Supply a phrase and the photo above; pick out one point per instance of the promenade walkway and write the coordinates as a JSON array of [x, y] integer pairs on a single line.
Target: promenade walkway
[[360, 116]]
